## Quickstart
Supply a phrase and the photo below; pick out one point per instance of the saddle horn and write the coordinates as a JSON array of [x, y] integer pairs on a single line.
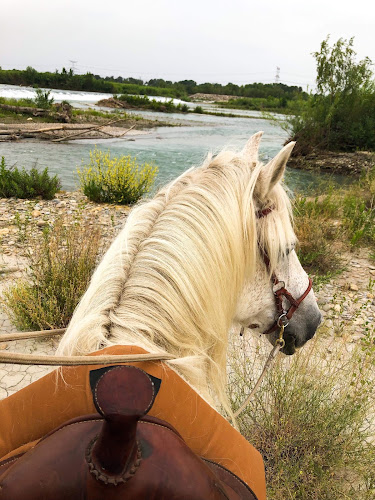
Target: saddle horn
[[120, 453], [122, 395]]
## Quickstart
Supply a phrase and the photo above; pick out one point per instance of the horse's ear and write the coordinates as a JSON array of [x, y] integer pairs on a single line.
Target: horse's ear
[[250, 151], [272, 173]]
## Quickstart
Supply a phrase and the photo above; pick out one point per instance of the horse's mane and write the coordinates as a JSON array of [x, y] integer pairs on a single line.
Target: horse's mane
[[171, 279]]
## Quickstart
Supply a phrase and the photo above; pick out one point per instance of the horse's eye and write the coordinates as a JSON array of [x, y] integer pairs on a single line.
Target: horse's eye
[[289, 249]]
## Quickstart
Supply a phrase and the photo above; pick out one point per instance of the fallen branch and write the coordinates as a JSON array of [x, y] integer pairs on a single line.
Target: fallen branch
[[67, 137], [126, 131]]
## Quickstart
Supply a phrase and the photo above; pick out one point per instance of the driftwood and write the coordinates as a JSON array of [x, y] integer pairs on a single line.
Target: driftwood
[[68, 137], [43, 130], [49, 133]]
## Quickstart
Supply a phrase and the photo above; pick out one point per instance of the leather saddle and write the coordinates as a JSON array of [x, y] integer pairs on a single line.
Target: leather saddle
[[119, 453]]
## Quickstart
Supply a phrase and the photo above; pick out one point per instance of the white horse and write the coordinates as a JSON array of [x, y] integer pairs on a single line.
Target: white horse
[[201, 255]]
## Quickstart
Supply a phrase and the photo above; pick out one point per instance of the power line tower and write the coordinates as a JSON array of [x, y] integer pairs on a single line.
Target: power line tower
[[277, 77], [73, 65]]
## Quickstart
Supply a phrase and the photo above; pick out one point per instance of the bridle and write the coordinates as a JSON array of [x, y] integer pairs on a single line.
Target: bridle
[[282, 316], [279, 291]]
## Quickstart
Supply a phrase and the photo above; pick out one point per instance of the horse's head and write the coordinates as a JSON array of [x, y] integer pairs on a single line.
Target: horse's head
[[279, 291]]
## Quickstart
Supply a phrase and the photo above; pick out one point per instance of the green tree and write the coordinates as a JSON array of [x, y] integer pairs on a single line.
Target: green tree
[[341, 114], [337, 69]]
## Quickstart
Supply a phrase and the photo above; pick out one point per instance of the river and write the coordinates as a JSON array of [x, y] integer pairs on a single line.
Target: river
[[172, 149]]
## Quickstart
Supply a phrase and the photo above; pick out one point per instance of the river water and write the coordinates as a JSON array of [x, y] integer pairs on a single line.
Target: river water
[[172, 149]]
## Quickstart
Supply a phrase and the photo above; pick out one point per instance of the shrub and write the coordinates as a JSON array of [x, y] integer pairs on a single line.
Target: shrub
[[23, 184], [184, 108], [115, 180], [310, 421], [145, 103], [341, 115], [198, 109], [60, 265], [318, 235], [42, 98]]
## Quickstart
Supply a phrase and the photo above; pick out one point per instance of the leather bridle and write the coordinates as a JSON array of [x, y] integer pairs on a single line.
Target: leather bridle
[[279, 290]]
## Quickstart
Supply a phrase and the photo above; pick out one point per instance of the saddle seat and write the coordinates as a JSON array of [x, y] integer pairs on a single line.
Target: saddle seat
[[32, 413]]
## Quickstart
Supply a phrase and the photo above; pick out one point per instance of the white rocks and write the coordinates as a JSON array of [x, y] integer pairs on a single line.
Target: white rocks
[[353, 287]]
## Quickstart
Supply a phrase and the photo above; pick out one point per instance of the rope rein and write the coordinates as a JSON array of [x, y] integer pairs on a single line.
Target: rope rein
[[34, 359]]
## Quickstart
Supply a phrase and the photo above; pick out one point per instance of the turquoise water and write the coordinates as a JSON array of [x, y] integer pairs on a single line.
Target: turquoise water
[[173, 149]]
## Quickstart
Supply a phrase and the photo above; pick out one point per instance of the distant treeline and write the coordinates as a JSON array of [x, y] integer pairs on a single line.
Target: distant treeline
[[89, 82]]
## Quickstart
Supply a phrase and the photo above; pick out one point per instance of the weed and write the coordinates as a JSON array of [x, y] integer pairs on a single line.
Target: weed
[[43, 98], [335, 222], [60, 265], [115, 180], [310, 421]]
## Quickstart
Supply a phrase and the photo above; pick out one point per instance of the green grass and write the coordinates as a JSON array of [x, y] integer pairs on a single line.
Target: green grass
[[30, 103]]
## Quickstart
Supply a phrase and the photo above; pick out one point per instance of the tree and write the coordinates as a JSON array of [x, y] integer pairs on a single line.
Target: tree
[[338, 71], [341, 114]]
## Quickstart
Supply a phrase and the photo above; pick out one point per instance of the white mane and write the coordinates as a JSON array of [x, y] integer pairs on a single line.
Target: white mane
[[171, 279]]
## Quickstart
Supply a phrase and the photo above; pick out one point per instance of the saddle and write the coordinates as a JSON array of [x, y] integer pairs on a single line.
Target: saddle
[[119, 453]]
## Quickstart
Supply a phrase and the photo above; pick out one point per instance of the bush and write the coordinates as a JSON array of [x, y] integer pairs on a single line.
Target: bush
[[312, 421], [341, 115], [60, 266], [198, 109], [42, 98], [115, 180], [23, 184], [319, 236]]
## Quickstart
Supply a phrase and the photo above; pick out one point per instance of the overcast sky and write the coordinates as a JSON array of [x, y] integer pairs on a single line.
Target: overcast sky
[[217, 41]]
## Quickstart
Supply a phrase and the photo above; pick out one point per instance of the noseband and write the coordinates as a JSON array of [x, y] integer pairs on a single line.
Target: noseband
[[279, 291]]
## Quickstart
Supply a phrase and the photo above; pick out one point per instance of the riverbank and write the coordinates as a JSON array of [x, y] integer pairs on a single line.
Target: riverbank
[[335, 162], [21, 122]]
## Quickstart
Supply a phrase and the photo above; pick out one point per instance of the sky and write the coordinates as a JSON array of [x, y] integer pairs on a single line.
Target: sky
[[207, 41]]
